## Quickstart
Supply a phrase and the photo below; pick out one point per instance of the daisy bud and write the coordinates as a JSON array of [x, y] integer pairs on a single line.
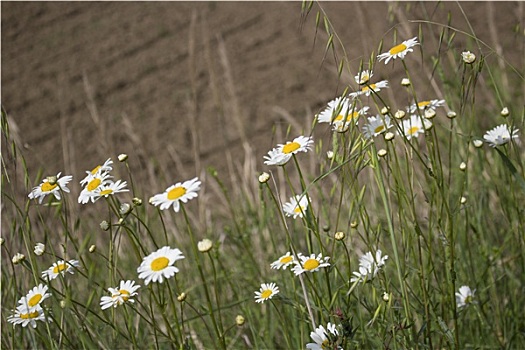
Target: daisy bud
[[18, 258], [264, 177], [104, 225], [205, 245], [120, 221], [40, 249], [400, 114], [504, 112], [428, 126], [386, 297], [389, 136], [1, 241], [181, 297], [92, 248], [239, 320], [340, 235], [451, 115], [137, 201], [385, 110], [477, 143], [463, 200], [430, 113], [122, 157], [63, 304], [468, 57], [382, 152], [405, 82], [125, 208], [462, 166], [326, 228], [353, 224], [330, 154], [52, 180]]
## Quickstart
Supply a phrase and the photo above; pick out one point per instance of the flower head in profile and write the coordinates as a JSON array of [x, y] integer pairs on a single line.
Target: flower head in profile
[[324, 338], [399, 50], [468, 57], [296, 207], [267, 291], [363, 77], [465, 296], [370, 88], [93, 184], [180, 192], [414, 126], [25, 316], [284, 152], [423, 105], [369, 266], [500, 135], [283, 262], [376, 125], [310, 263], [159, 265], [340, 113], [34, 297], [120, 295], [99, 169], [110, 188], [51, 185], [60, 268], [40, 248]]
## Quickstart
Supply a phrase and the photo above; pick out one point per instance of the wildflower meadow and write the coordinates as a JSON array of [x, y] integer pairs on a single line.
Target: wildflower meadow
[[392, 219]]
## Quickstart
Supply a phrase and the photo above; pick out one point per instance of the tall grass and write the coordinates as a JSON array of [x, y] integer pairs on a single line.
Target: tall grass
[[390, 231]]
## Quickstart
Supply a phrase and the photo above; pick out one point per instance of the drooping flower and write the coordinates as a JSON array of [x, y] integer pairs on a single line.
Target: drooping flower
[[267, 291], [296, 207], [500, 135], [324, 338], [283, 262], [376, 125], [50, 185], [99, 169], [60, 267], [465, 296], [369, 266], [363, 77], [284, 152], [399, 50], [369, 88], [180, 192], [310, 263], [120, 295], [414, 126], [25, 316], [159, 265], [34, 297], [429, 104]]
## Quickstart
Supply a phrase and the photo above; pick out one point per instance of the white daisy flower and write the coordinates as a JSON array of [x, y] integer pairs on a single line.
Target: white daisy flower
[[180, 192], [296, 207], [283, 153], [267, 291], [99, 169], [310, 263], [369, 266], [24, 316], [468, 57], [324, 338], [283, 262], [430, 104], [337, 107], [414, 126], [110, 188], [500, 135], [368, 89], [399, 50], [34, 297], [363, 77], [120, 295], [376, 125], [50, 187], [60, 267], [465, 296], [158, 265], [89, 193]]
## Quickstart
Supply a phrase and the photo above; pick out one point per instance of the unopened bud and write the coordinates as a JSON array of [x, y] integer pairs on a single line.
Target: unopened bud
[[386, 297], [477, 143], [40, 249], [505, 112], [122, 157], [400, 114], [104, 225], [92, 248], [385, 110], [468, 57], [18, 258], [181, 297], [389, 136], [137, 201], [330, 155], [239, 320], [264, 177], [63, 304], [463, 200], [451, 115], [340, 235], [125, 208], [382, 153], [353, 224], [463, 166], [405, 82], [205, 245], [430, 113]]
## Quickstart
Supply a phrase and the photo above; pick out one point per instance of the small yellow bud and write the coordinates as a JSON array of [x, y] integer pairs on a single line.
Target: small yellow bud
[[339, 236], [385, 110], [92, 248]]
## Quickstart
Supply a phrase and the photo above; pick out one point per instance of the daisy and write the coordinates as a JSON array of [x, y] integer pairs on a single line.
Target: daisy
[[283, 262], [158, 265], [500, 135], [324, 338], [267, 291], [337, 108], [282, 153], [24, 316], [50, 187], [99, 169], [363, 77], [414, 126], [296, 207], [376, 125], [367, 90], [120, 295], [369, 266], [310, 264], [34, 297], [180, 192], [465, 296], [399, 50], [110, 188], [430, 104], [92, 185], [60, 267]]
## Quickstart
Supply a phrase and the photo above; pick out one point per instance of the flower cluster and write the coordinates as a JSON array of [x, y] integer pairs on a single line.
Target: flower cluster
[[369, 266], [98, 183]]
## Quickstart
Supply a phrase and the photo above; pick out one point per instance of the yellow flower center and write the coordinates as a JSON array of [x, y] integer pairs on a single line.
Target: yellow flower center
[[423, 104], [266, 294], [106, 192], [176, 193], [468, 299], [311, 264], [380, 128], [325, 344], [291, 147], [94, 171], [286, 259], [124, 294], [93, 184], [159, 263], [369, 87], [59, 268], [47, 187], [413, 130], [35, 299], [298, 209], [29, 315], [397, 49], [350, 116]]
